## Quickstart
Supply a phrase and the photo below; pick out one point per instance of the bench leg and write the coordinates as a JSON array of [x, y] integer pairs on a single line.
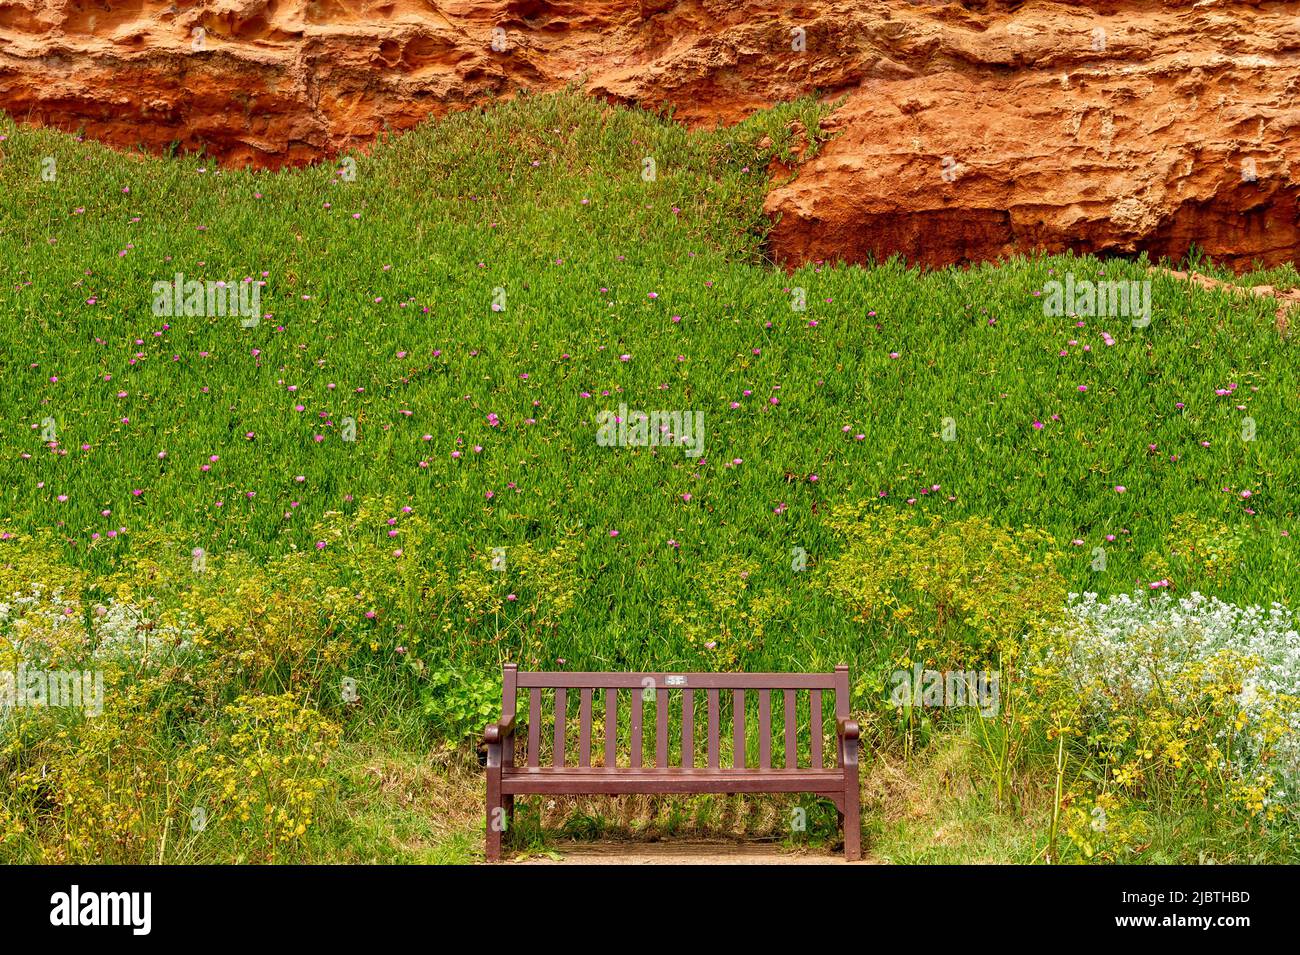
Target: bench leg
[[496, 815], [851, 817], [852, 821]]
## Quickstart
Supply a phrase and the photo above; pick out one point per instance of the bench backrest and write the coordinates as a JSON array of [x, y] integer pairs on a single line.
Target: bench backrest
[[673, 699]]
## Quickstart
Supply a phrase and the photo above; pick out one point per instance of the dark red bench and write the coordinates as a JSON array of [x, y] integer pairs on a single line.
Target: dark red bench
[[629, 693]]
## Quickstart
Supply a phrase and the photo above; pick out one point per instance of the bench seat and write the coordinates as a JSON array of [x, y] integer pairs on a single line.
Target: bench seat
[[671, 779]]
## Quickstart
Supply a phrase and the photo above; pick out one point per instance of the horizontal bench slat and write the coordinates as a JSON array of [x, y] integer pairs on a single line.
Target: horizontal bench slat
[[697, 681], [569, 781], [702, 772]]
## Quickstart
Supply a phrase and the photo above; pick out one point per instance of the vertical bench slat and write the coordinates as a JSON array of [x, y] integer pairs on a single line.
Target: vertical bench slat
[[509, 702], [638, 701], [765, 729], [611, 727], [661, 727], [815, 740], [561, 706], [713, 729], [534, 725], [841, 708], [688, 729], [584, 728], [738, 729], [791, 737]]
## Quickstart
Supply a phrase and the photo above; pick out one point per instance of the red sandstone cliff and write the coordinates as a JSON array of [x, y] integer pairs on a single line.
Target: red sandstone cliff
[[968, 130]]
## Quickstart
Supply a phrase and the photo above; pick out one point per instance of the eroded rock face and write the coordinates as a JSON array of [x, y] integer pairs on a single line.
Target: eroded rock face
[[1015, 131], [967, 131]]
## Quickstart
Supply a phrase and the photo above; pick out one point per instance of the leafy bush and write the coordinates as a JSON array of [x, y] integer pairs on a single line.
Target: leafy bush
[[461, 702], [1191, 692]]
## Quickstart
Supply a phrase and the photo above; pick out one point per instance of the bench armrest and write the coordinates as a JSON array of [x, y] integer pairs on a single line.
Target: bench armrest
[[499, 732], [847, 729]]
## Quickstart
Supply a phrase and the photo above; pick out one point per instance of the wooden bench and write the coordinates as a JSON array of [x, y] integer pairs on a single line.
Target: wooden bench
[[594, 773]]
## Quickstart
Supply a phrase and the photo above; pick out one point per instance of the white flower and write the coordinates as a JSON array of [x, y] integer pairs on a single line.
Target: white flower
[[1128, 646]]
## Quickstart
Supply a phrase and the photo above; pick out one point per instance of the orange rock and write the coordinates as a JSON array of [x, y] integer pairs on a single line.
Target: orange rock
[[969, 130]]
